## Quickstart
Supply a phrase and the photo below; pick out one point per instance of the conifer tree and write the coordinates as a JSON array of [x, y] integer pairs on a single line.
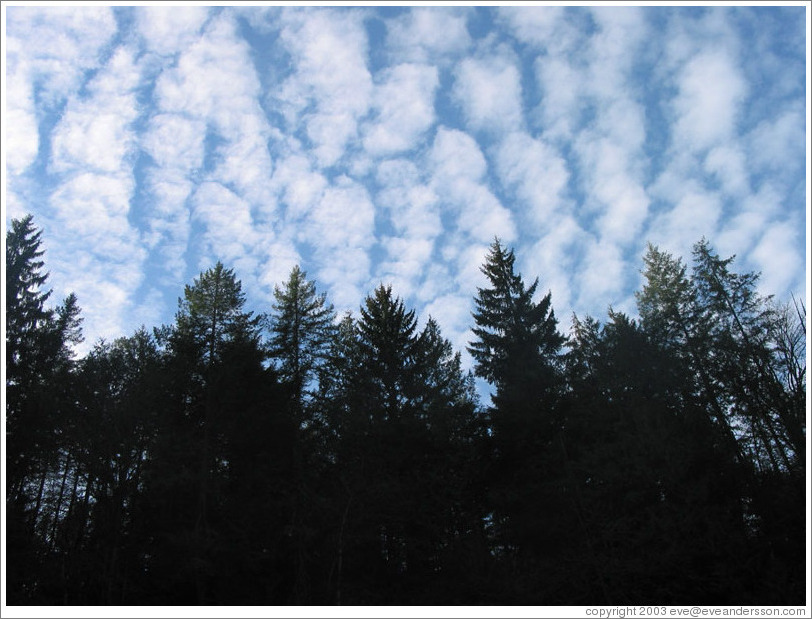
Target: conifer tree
[[517, 348], [302, 328], [39, 393]]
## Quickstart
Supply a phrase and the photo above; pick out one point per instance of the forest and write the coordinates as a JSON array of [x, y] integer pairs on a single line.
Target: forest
[[292, 456]]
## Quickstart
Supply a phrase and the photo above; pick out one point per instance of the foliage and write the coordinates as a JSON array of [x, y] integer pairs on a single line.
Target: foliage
[[301, 458]]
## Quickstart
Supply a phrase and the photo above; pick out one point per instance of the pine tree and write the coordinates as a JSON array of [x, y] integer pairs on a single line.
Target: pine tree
[[517, 348], [388, 349], [302, 328], [213, 348], [39, 398]]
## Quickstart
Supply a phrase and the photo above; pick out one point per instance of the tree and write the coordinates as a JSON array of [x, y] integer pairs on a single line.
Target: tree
[[39, 399], [302, 328], [672, 314], [517, 349], [213, 348], [388, 352], [640, 467], [517, 345]]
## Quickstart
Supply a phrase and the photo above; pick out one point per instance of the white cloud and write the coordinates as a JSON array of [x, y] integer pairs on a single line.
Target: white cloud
[[167, 225], [452, 312], [777, 143], [554, 260], [404, 103], [727, 164], [412, 206], [406, 265], [739, 232], [695, 215], [229, 234], [169, 30], [412, 209], [54, 46], [212, 90], [175, 142], [299, 185], [459, 167], [601, 279], [711, 91], [614, 49], [93, 250], [341, 229], [48, 49], [215, 82], [20, 125], [436, 34], [778, 260], [96, 252], [455, 155], [563, 87], [535, 172], [609, 183], [537, 26], [489, 91], [330, 76], [96, 133]]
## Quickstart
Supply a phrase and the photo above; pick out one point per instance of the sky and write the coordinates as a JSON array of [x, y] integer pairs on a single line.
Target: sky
[[392, 144]]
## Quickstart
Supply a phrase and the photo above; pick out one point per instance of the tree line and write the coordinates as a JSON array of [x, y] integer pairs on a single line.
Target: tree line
[[300, 457]]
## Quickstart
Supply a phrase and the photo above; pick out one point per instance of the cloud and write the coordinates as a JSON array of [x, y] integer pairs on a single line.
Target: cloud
[[776, 144], [340, 228], [410, 203], [727, 164], [404, 107], [55, 46], [330, 88], [229, 234], [20, 124], [97, 253], [459, 168], [612, 186], [711, 92], [368, 144], [433, 34], [175, 142], [93, 250], [413, 214], [554, 258], [695, 215], [453, 313], [169, 30], [211, 91], [536, 26], [602, 277], [96, 133], [563, 87], [778, 260], [489, 91], [48, 51], [615, 49], [299, 186]]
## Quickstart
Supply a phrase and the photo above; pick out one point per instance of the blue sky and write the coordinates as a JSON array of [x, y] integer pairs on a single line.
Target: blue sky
[[390, 144]]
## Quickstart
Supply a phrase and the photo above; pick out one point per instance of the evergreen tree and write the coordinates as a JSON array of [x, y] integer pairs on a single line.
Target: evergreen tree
[[213, 348], [39, 401], [388, 353], [517, 350], [302, 328], [518, 346]]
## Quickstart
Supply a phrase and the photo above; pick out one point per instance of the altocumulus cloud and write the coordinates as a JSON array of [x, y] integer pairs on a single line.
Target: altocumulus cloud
[[391, 144]]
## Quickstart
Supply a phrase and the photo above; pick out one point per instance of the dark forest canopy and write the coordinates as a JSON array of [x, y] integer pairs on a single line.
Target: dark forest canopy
[[294, 456]]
